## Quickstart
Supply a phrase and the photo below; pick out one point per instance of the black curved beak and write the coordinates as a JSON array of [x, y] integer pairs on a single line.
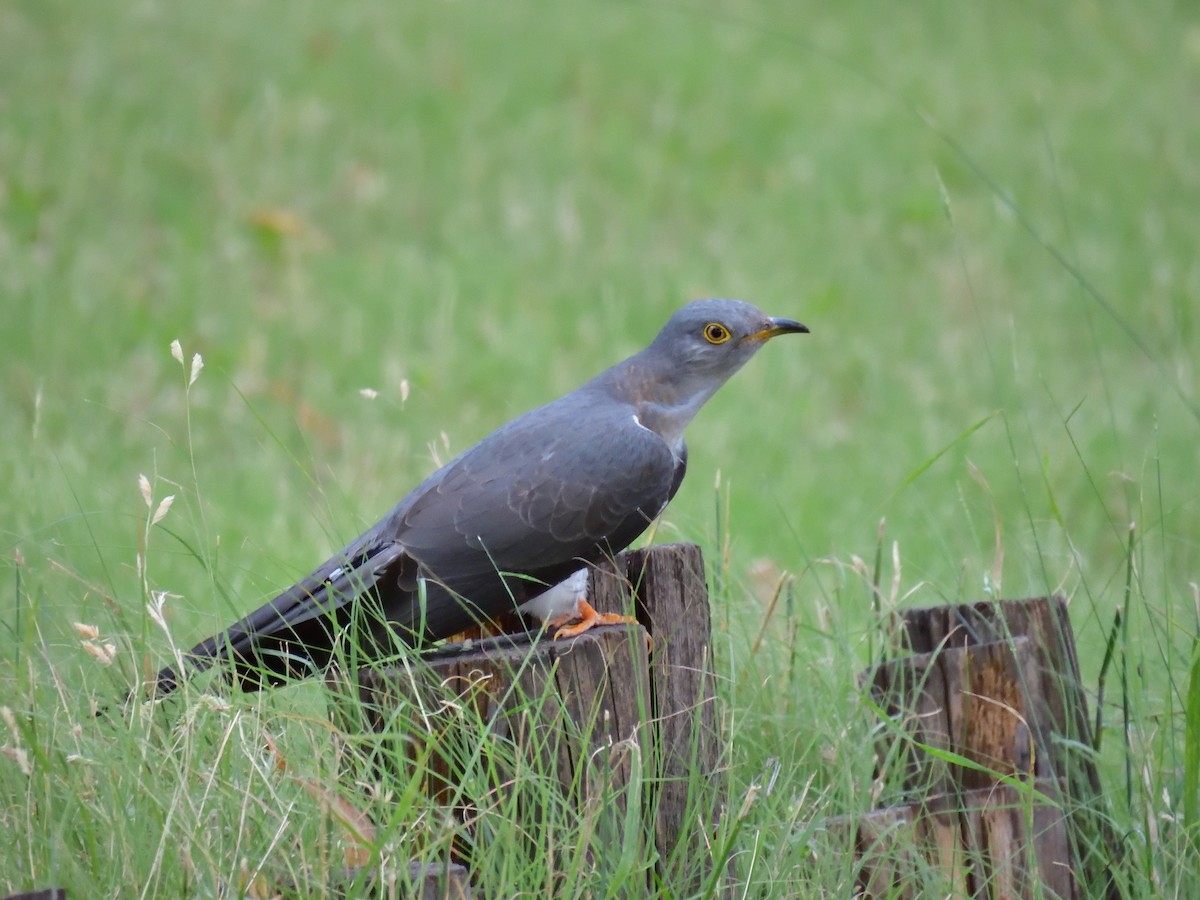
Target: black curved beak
[[778, 326]]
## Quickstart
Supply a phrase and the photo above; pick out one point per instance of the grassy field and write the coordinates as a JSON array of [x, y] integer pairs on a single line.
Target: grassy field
[[986, 213]]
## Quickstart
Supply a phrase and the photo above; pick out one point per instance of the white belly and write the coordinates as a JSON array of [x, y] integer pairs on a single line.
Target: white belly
[[560, 600]]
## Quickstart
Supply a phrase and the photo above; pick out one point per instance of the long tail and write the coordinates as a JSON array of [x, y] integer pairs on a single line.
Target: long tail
[[294, 634]]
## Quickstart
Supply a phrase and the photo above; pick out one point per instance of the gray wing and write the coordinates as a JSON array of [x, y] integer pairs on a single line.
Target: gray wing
[[527, 507]]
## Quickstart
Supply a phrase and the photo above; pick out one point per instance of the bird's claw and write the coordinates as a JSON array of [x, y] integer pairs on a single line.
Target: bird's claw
[[589, 618]]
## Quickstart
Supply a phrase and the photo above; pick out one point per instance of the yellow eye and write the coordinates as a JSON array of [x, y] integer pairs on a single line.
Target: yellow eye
[[716, 333]]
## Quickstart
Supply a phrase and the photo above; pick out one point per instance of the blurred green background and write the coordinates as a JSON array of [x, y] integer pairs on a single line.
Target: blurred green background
[[494, 201], [986, 213]]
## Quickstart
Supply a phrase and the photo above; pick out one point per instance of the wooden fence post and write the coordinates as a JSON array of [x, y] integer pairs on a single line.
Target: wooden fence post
[[993, 706], [562, 700], [671, 601]]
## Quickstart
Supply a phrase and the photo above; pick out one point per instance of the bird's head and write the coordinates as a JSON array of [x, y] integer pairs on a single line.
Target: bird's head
[[711, 339], [701, 345]]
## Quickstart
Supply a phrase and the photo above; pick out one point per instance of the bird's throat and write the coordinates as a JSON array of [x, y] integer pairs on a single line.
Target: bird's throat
[[669, 421], [664, 404]]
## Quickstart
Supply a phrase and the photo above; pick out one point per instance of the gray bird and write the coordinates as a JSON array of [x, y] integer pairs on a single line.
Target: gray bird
[[513, 522]]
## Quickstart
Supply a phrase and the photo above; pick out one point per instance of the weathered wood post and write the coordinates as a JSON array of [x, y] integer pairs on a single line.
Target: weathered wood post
[[1003, 794], [671, 597], [615, 721]]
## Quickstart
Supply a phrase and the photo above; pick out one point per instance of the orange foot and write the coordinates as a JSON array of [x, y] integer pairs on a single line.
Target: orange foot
[[588, 618]]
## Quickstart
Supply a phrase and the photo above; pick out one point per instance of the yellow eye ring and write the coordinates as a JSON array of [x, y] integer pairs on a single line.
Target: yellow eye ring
[[716, 333]]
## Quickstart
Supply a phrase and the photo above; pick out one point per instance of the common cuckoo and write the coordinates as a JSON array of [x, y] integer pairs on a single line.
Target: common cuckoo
[[515, 521]]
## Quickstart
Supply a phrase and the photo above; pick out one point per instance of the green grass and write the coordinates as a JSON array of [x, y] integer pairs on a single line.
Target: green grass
[[985, 213]]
